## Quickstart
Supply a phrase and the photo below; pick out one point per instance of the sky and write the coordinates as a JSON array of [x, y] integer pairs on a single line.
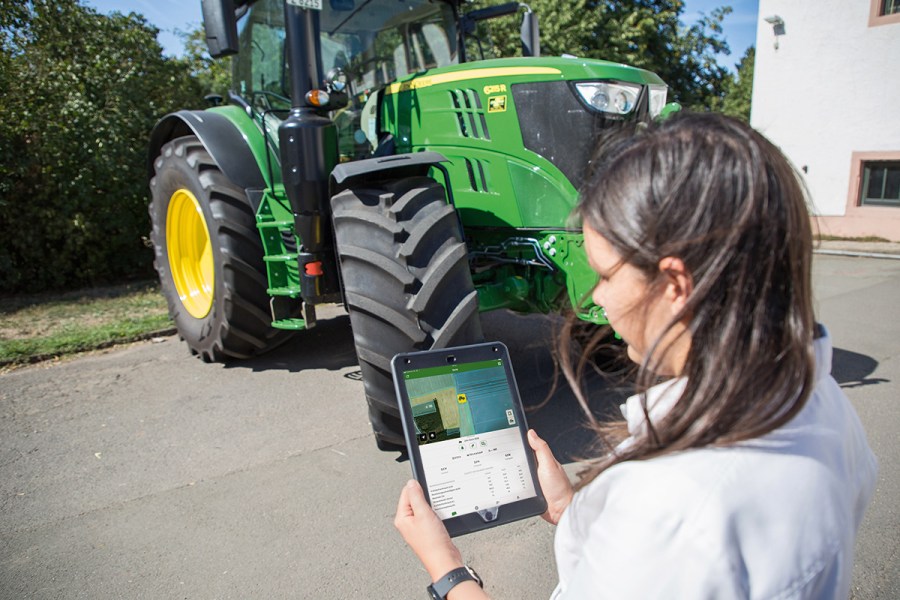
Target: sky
[[171, 16]]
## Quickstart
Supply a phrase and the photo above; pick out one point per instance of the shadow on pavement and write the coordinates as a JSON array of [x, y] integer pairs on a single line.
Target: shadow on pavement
[[851, 369], [559, 420], [551, 406], [328, 345], [562, 422]]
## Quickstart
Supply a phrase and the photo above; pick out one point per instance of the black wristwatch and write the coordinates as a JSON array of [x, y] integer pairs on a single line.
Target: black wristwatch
[[440, 588]]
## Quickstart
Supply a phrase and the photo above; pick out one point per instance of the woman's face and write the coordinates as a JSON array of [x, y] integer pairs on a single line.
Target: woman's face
[[635, 309]]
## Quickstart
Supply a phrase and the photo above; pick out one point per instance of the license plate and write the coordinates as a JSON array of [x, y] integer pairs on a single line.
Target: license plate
[[310, 4]]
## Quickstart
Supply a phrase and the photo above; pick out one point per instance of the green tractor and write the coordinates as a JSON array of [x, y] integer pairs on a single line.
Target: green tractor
[[370, 156]]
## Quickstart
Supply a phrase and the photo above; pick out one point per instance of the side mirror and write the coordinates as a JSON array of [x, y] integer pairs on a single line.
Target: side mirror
[[220, 25], [531, 35]]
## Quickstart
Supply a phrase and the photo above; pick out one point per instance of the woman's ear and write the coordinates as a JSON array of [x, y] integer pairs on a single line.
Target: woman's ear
[[678, 281]]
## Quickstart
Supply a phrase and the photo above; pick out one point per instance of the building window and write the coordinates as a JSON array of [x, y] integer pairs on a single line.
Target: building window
[[884, 12], [880, 183]]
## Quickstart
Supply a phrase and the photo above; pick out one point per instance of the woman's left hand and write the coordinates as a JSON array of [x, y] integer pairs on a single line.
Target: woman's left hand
[[425, 533]]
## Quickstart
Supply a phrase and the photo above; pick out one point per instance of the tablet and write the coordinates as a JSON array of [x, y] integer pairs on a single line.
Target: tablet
[[466, 436]]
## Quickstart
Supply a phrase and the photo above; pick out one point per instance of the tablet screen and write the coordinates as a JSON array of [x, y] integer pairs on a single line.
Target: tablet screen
[[469, 440]]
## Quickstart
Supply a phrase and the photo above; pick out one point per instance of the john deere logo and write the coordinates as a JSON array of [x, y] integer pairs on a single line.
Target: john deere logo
[[496, 104]]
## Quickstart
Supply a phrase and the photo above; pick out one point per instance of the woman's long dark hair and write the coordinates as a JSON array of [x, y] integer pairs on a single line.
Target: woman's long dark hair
[[716, 194]]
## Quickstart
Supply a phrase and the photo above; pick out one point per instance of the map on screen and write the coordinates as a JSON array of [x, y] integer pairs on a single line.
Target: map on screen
[[459, 401]]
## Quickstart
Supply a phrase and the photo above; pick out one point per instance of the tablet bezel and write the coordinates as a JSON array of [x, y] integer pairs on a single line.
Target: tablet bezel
[[506, 513]]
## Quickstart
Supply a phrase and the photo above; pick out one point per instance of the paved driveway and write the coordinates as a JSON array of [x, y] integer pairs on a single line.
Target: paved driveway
[[143, 473]]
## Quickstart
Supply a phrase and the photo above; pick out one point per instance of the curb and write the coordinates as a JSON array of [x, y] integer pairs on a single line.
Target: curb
[[855, 254], [30, 360]]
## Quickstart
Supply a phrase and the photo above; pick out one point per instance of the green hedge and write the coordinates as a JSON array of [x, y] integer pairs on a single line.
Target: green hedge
[[79, 94]]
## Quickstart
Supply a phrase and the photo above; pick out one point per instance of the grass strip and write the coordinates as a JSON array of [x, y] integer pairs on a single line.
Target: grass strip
[[34, 328]]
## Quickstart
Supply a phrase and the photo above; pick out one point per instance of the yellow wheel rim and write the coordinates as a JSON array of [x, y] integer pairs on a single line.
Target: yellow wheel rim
[[190, 253]]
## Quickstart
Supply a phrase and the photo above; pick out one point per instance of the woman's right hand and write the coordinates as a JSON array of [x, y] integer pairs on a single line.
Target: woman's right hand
[[554, 482]]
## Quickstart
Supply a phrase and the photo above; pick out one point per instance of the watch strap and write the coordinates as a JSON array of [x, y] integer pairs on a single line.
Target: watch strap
[[440, 588]]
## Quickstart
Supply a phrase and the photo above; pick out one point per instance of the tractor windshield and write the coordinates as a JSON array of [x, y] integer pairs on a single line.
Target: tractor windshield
[[381, 40], [373, 41]]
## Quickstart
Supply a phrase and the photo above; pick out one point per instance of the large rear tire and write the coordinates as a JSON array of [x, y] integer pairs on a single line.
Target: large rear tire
[[406, 281], [209, 256]]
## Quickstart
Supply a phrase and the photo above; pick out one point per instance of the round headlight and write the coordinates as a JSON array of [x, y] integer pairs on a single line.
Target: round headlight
[[610, 97], [600, 99], [622, 102]]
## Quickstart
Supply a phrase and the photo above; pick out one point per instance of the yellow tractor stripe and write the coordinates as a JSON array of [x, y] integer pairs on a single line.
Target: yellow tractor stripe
[[429, 80]]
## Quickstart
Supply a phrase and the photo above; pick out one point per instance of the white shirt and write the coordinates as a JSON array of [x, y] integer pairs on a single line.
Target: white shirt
[[774, 517]]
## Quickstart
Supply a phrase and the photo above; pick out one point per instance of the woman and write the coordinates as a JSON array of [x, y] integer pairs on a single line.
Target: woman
[[746, 472]]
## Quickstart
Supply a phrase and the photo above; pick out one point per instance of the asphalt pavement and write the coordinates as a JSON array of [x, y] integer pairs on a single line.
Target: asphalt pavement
[[141, 472]]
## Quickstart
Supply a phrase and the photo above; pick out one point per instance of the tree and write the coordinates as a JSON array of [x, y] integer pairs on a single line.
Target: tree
[[738, 90], [79, 94], [642, 33], [213, 75]]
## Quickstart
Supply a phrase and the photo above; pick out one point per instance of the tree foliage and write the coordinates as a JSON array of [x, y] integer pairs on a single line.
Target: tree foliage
[[79, 94], [647, 34], [213, 75], [737, 92]]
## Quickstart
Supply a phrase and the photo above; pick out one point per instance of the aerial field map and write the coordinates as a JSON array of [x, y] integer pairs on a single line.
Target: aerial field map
[[453, 402]]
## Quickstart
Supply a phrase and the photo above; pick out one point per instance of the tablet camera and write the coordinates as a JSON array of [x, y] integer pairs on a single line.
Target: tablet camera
[[488, 514]]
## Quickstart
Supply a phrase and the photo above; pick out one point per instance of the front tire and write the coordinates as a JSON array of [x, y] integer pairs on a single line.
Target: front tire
[[406, 281], [209, 256]]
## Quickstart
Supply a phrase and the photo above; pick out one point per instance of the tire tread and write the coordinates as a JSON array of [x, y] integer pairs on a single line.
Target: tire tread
[[239, 324], [407, 283]]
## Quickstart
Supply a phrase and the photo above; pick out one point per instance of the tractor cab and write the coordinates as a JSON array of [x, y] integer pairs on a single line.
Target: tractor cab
[[357, 48]]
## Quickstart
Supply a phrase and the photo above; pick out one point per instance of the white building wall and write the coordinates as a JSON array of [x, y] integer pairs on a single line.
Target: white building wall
[[831, 88]]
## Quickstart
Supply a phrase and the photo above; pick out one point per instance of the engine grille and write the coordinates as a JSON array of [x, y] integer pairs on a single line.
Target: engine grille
[[559, 127]]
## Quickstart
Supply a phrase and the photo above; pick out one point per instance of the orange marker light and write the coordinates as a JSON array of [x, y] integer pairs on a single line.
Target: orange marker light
[[314, 268], [317, 98]]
